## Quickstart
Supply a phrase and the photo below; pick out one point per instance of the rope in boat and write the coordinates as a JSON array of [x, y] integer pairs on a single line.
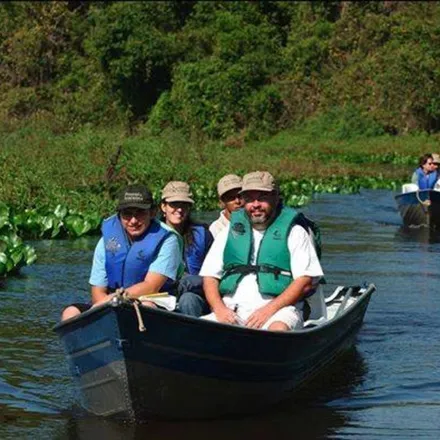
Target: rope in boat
[[424, 203], [124, 295]]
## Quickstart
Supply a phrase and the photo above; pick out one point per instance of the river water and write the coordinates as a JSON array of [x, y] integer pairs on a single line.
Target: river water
[[388, 386]]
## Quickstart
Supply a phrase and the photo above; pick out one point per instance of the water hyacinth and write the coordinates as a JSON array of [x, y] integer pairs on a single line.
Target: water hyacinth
[[14, 254], [60, 222], [64, 222]]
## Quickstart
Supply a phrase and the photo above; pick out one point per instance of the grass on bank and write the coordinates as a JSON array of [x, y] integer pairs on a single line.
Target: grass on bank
[[83, 170]]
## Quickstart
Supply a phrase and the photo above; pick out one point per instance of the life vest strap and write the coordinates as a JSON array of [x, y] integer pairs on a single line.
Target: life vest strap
[[246, 269]]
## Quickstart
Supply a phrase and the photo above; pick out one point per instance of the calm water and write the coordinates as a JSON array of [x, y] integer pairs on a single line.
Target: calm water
[[386, 387]]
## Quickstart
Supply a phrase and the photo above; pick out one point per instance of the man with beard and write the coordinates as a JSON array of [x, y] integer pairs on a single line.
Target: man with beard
[[259, 271]]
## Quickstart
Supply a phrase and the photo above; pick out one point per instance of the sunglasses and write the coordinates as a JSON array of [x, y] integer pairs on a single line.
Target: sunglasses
[[127, 214], [181, 205]]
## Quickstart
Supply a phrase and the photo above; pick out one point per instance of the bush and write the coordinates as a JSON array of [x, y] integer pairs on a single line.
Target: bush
[[343, 124]]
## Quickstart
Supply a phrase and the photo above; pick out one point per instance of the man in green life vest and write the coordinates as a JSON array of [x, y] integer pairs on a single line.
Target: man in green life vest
[[260, 270]]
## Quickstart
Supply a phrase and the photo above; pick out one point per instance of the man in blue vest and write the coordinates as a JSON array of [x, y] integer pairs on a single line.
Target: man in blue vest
[[135, 252], [259, 271]]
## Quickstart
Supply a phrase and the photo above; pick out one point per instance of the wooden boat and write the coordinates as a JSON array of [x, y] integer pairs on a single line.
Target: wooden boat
[[183, 367], [420, 208]]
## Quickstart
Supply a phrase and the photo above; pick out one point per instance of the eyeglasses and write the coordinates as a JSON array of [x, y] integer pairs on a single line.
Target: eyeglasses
[[127, 214], [177, 205], [259, 197]]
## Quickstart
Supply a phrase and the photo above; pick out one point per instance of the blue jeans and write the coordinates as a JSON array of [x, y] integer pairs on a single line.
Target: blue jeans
[[190, 296]]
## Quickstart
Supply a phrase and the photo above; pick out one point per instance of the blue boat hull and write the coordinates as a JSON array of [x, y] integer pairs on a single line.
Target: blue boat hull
[[182, 367], [420, 208]]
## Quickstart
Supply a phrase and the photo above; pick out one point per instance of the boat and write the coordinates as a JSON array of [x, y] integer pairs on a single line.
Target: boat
[[135, 362], [420, 208]]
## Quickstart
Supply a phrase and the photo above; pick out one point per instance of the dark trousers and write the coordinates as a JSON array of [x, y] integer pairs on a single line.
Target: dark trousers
[[190, 296]]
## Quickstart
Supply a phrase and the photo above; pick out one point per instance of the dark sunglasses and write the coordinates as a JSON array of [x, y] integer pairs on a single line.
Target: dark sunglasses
[[177, 205], [132, 212]]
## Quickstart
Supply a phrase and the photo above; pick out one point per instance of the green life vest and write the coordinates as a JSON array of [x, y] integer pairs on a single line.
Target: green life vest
[[272, 265]]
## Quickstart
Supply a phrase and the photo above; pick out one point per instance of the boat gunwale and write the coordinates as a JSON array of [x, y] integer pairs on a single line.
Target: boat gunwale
[[202, 323]]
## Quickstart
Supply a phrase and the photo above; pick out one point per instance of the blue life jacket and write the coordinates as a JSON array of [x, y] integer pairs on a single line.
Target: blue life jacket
[[426, 181], [127, 263], [195, 253]]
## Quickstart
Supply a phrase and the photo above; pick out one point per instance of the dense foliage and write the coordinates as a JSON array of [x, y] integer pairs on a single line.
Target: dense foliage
[[221, 69], [95, 95]]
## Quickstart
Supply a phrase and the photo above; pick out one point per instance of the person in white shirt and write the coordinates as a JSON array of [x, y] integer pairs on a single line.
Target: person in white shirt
[[259, 271], [228, 188]]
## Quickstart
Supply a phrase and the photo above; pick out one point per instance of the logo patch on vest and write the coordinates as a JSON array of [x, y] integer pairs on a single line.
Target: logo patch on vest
[[276, 235], [112, 245], [238, 229]]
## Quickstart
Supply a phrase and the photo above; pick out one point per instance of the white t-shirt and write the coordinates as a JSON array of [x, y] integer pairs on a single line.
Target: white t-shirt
[[218, 225], [303, 262]]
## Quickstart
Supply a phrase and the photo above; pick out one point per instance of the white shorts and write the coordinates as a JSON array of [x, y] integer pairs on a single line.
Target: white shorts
[[289, 315]]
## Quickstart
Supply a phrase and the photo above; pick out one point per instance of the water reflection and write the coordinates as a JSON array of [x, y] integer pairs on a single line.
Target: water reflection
[[305, 415], [422, 234]]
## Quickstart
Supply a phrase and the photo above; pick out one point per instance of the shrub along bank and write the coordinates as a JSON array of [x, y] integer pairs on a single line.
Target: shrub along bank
[[63, 185]]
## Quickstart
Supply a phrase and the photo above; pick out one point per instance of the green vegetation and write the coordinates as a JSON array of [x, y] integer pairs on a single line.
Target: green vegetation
[[221, 69], [329, 96], [84, 170], [13, 253]]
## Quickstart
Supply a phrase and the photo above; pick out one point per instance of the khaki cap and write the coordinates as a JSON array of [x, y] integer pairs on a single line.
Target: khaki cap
[[177, 192], [228, 182], [259, 181], [435, 158]]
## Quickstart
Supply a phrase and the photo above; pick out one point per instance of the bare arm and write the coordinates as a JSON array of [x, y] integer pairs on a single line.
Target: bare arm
[[291, 295], [99, 294], [212, 294], [152, 283]]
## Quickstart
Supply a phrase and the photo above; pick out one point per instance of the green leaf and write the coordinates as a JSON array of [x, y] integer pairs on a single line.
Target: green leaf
[[30, 254], [60, 211], [16, 256], [74, 224], [4, 210], [47, 223]]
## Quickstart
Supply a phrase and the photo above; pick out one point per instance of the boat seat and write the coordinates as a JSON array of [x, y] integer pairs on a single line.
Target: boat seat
[[340, 296], [409, 187], [318, 309]]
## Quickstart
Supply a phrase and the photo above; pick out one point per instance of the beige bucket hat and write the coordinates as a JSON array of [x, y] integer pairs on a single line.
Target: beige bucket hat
[[435, 158], [227, 183], [177, 192]]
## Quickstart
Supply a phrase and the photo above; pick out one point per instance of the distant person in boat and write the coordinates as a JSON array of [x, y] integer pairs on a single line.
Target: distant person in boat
[[135, 252], [195, 240], [228, 189], [259, 270], [425, 176]]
